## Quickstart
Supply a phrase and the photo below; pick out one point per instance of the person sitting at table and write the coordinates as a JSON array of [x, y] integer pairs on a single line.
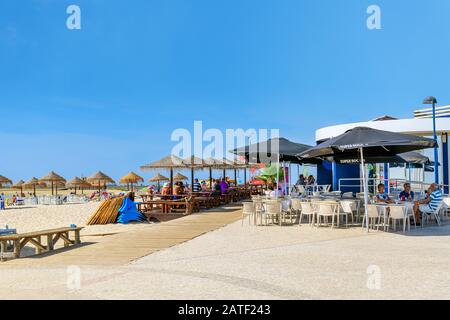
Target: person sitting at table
[[429, 204], [382, 196], [178, 190], [301, 180], [311, 180], [406, 194], [271, 192], [196, 186], [223, 186], [165, 191]]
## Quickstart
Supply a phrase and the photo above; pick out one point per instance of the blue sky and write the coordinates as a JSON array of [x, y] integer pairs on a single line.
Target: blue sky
[[107, 97]]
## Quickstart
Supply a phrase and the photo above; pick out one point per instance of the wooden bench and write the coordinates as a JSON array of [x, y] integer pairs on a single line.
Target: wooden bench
[[52, 236]]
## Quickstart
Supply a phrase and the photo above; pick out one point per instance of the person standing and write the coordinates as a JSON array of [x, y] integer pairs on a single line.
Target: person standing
[[2, 201], [196, 186]]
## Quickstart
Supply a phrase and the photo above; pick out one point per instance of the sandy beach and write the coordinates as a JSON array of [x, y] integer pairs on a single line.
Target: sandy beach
[[42, 217]]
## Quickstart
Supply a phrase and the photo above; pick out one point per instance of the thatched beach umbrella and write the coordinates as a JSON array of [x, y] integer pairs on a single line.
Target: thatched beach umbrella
[[180, 177], [131, 178], [170, 162], [158, 178], [100, 179], [4, 180], [77, 182], [32, 183], [54, 179], [19, 185]]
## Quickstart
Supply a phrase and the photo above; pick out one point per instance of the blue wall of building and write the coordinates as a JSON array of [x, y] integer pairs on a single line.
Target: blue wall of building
[[330, 173], [347, 171], [324, 173]]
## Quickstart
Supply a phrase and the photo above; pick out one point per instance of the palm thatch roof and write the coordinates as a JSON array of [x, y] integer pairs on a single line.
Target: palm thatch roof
[[194, 162], [32, 182], [158, 177], [168, 162], [18, 185], [179, 177], [131, 178], [52, 177], [77, 182], [100, 178], [5, 180]]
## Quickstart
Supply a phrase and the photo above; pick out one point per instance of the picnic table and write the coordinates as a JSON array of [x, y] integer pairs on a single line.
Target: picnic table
[[52, 236]]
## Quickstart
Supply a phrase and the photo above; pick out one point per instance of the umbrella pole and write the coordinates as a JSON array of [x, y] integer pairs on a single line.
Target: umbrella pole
[[34, 190], [171, 180], [210, 177], [235, 177], [245, 176], [366, 195], [52, 189], [278, 174]]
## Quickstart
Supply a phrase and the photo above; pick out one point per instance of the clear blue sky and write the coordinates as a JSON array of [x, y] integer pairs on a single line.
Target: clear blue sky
[[109, 95]]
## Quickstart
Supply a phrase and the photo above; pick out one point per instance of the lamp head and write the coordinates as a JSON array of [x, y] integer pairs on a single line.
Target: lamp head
[[429, 100]]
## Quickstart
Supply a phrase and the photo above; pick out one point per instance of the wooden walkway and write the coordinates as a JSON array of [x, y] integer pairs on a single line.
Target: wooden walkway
[[123, 248]]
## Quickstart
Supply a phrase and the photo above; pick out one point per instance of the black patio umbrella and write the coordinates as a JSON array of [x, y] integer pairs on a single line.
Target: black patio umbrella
[[363, 142], [412, 158], [275, 150], [287, 151]]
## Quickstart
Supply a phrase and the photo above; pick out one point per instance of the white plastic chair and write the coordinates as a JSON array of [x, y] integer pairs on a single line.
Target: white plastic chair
[[273, 210], [307, 209], [248, 210], [398, 213], [373, 214], [326, 210], [349, 207], [435, 214]]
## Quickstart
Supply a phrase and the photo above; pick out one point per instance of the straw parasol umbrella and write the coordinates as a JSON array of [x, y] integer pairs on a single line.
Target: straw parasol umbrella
[[77, 182], [180, 177], [19, 185], [4, 180], [55, 180], [131, 178], [32, 183], [158, 178], [170, 162], [100, 178]]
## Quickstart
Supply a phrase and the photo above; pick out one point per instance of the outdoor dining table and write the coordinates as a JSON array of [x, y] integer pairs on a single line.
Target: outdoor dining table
[[408, 205]]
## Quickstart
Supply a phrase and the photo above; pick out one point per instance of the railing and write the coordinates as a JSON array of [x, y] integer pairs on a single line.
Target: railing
[[394, 185]]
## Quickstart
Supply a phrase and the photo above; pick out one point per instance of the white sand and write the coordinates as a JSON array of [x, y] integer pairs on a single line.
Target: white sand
[[262, 263], [35, 218]]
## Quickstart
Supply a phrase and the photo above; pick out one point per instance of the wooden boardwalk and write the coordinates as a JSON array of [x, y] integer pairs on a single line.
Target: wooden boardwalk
[[123, 248]]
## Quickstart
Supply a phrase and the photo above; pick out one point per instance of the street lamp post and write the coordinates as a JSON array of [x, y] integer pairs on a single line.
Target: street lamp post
[[432, 100]]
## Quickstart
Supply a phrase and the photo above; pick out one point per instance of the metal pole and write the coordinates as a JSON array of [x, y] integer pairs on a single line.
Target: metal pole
[[278, 173], [436, 160], [366, 194]]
